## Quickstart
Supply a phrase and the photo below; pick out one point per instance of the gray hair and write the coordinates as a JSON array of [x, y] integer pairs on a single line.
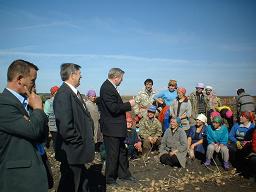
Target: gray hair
[[66, 69], [115, 72]]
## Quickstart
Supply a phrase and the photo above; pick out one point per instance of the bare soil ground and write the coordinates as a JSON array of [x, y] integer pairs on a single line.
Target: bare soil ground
[[152, 176]]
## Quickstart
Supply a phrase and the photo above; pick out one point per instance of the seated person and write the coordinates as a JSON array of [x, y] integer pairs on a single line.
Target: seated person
[[240, 137], [217, 138], [132, 141], [227, 114], [150, 130], [197, 138], [173, 148], [252, 158]]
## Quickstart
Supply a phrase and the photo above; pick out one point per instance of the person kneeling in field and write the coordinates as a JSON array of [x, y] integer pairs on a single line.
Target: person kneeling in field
[[150, 130], [173, 148], [217, 137], [132, 141]]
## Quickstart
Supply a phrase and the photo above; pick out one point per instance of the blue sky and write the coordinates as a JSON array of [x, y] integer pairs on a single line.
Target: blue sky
[[205, 41]]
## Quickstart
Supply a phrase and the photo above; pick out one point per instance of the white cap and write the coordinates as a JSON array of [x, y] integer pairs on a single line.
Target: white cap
[[209, 87], [202, 118]]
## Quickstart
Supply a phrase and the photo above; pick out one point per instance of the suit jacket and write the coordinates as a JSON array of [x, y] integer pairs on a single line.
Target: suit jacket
[[21, 166], [113, 119], [74, 141]]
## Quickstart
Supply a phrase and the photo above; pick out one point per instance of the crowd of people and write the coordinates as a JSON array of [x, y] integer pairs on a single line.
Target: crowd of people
[[172, 125]]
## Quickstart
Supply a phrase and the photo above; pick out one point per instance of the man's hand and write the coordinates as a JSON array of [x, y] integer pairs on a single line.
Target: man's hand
[[155, 139], [138, 146], [239, 145], [192, 147], [34, 100], [132, 102], [150, 139]]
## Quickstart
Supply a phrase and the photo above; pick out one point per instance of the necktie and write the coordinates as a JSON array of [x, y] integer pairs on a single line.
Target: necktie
[[25, 104], [81, 99]]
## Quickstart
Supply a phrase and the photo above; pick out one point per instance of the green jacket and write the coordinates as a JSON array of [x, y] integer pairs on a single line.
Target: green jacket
[[21, 166], [150, 127]]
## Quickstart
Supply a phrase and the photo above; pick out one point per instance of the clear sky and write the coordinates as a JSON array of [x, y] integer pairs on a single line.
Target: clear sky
[[209, 41]]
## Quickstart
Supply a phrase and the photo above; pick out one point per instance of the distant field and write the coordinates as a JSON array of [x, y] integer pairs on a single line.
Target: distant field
[[225, 100]]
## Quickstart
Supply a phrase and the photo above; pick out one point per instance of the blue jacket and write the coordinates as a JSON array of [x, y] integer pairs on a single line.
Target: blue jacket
[[240, 132], [217, 136], [202, 135], [167, 96]]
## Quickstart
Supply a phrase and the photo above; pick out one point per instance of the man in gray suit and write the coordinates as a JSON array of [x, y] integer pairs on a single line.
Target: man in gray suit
[[22, 125], [74, 141]]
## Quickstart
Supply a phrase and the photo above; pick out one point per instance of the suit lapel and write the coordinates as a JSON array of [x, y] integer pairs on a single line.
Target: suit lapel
[[115, 91], [76, 99], [15, 101]]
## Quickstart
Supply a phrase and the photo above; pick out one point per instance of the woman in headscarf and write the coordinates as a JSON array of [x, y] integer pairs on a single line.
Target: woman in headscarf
[[197, 138], [181, 108], [240, 137], [173, 148], [217, 138]]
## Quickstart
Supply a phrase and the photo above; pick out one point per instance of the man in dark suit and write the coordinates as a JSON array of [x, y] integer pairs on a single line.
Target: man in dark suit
[[21, 166], [74, 141], [114, 128]]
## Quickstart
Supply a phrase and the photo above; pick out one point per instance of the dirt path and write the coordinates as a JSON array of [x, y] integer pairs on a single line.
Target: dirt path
[[153, 176]]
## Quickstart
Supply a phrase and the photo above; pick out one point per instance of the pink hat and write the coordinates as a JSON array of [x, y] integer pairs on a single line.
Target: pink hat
[[91, 93], [215, 114], [229, 113], [200, 85], [182, 90]]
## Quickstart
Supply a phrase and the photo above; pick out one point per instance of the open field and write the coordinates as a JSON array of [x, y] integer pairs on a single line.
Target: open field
[[152, 176]]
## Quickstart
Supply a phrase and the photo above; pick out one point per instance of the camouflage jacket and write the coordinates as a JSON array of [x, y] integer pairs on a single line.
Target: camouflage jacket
[[148, 127], [194, 104], [213, 101], [142, 101]]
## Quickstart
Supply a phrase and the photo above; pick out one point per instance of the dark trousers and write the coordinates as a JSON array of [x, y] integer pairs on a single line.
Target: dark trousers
[[170, 160], [73, 178], [117, 164]]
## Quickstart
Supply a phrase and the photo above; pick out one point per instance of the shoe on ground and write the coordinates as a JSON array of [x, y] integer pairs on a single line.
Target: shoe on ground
[[207, 162], [226, 166], [131, 178], [112, 183]]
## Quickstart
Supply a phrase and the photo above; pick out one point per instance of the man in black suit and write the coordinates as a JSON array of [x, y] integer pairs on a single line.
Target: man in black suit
[[21, 166], [74, 141], [114, 129]]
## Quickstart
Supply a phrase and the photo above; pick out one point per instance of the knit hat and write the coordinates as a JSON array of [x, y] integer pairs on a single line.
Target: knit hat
[[152, 108], [217, 119], [91, 93], [208, 87], [178, 120], [172, 82], [248, 115], [200, 85], [202, 118], [182, 90], [229, 114], [215, 114], [54, 89]]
